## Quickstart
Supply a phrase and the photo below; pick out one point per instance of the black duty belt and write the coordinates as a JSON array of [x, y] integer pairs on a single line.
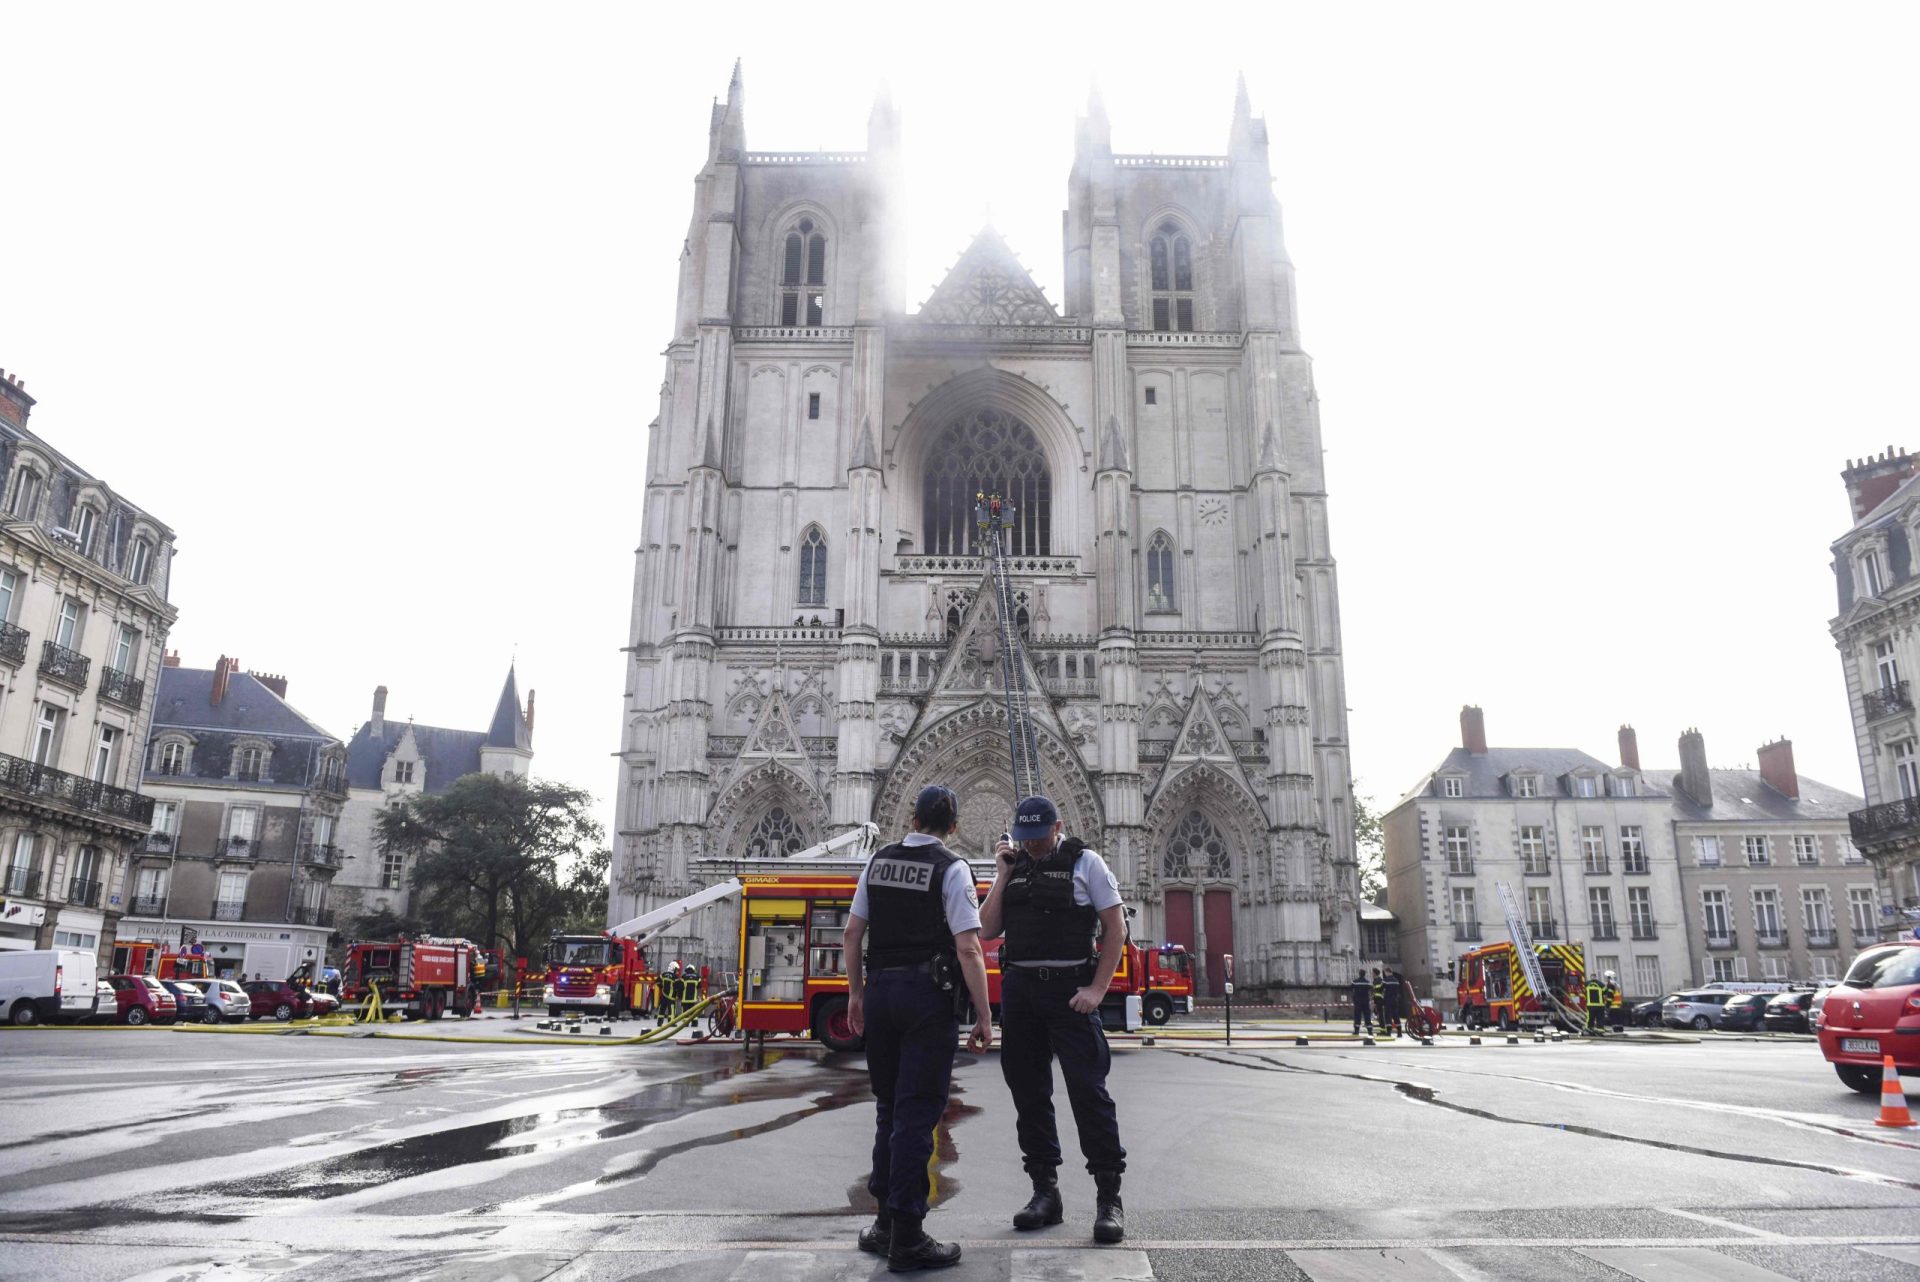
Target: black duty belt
[[922, 968], [1078, 973]]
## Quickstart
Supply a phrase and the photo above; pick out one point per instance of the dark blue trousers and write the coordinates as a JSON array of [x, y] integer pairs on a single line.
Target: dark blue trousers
[[1037, 1026], [911, 1037]]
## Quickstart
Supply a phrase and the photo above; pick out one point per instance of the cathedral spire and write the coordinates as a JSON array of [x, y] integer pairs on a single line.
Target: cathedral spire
[[1245, 134], [1099, 130], [728, 132]]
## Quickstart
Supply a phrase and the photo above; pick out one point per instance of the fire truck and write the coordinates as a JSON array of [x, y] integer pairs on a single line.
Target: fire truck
[[424, 978], [145, 957], [1492, 987], [594, 974]]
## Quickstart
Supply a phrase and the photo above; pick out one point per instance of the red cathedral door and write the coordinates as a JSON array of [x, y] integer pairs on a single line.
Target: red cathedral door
[[1219, 924], [1180, 923]]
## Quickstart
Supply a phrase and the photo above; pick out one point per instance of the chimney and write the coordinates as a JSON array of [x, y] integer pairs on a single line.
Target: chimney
[[530, 716], [1629, 748], [277, 684], [222, 673], [172, 659], [1473, 730], [1870, 480], [15, 404], [1694, 779], [1776, 768], [379, 710]]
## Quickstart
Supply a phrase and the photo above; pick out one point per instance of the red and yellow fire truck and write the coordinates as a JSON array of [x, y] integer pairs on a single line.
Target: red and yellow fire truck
[[145, 957], [793, 974], [595, 974], [1492, 988], [424, 978]]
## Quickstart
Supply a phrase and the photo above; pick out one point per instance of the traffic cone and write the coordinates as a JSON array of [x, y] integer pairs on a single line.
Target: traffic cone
[[1893, 1100]]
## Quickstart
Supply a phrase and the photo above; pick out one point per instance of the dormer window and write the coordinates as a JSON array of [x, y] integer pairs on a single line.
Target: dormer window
[[1870, 581], [1453, 786], [1170, 257], [139, 560], [1524, 785], [803, 276], [86, 525], [1623, 786], [1584, 786], [25, 501], [250, 762]]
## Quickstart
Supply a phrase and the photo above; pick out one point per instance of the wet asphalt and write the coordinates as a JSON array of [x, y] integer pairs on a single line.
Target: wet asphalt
[[155, 1155]]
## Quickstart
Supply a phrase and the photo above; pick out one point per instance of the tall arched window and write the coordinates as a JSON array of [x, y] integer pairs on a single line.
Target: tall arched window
[[1160, 592], [813, 567], [987, 452], [775, 836], [803, 276], [1196, 852], [1171, 257]]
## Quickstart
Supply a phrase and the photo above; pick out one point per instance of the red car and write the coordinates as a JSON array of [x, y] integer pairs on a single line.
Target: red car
[[1874, 1011], [277, 999], [142, 1000]]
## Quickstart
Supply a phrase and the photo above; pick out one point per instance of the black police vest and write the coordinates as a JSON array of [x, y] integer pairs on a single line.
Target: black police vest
[[1041, 921], [906, 904]]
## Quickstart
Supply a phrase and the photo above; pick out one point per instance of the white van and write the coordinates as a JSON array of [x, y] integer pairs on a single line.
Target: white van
[[52, 985]]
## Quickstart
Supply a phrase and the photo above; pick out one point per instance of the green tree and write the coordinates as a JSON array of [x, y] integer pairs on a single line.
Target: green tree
[[487, 857], [1369, 845]]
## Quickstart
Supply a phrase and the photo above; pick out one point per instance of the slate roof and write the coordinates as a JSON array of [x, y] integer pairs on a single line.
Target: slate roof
[[184, 701], [448, 754], [1741, 794], [509, 729], [1484, 772]]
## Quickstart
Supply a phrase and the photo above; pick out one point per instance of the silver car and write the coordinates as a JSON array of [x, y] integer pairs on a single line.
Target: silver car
[[1697, 1008], [226, 1001]]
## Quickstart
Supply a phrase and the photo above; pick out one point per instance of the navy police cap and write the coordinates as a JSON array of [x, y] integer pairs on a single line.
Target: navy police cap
[[1034, 819]]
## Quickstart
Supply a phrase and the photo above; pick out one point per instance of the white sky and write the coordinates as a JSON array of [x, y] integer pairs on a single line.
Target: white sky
[[367, 302]]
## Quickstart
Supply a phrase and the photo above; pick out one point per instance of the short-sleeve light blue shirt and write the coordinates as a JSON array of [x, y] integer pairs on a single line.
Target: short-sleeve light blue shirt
[[963, 909]]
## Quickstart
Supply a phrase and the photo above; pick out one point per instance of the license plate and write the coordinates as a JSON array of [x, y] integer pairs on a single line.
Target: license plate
[[1860, 1045]]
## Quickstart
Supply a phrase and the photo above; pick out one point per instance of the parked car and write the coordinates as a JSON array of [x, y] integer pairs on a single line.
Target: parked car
[[1790, 1012], [142, 1000], [277, 999], [190, 1004], [1645, 1014], [46, 985], [323, 1002], [1873, 1011], [106, 1006], [1696, 1008], [226, 1001], [1742, 1013]]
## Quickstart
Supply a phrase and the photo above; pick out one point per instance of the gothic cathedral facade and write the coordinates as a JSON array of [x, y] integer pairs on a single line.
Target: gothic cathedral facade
[[811, 643]]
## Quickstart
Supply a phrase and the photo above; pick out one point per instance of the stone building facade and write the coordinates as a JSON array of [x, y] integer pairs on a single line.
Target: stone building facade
[[810, 640], [247, 796], [1585, 848], [84, 618], [388, 760], [1877, 631]]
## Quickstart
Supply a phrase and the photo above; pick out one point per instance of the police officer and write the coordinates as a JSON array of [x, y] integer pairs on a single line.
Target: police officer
[[914, 909], [1049, 893], [1596, 1005], [1362, 994]]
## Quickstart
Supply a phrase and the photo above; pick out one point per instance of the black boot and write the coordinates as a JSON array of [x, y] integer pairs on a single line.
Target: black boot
[[875, 1238], [1044, 1207], [1109, 1218], [912, 1249]]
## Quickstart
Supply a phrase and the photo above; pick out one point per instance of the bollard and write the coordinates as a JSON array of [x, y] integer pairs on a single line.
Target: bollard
[[1146, 1041], [1299, 1041], [1513, 1039], [1473, 1041], [1367, 1041]]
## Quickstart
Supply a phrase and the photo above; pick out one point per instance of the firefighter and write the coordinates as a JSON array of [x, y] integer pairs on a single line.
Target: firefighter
[[1362, 994], [1396, 1000], [1049, 893], [1596, 1005], [1616, 1004], [1378, 990], [918, 898]]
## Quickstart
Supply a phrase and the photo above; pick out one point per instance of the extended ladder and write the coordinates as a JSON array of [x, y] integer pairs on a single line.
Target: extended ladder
[[1530, 961], [993, 519]]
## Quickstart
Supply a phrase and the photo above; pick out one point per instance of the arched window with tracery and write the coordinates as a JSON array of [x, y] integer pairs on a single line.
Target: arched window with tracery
[[1161, 598], [987, 452], [803, 276], [775, 836], [1196, 851], [813, 567], [1171, 264]]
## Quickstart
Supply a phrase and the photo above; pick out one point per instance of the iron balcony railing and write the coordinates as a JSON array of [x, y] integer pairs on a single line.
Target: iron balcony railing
[[158, 843], [1645, 930], [1634, 864], [323, 855], [1540, 867], [62, 664], [1822, 938], [1605, 930], [1723, 939], [150, 905], [1458, 867], [23, 881], [227, 910], [85, 894], [1771, 938], [1596, 867], [305, 916], [13, 643], [1889, 821], [1887, 700], [1466, 931], [1544, 928], [122, 688], [19, 775]]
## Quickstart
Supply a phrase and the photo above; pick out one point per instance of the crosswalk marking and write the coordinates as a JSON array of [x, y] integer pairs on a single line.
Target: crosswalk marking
[[1090, 1264], [803, 1266], [1680, 1264], [1403, 1264]]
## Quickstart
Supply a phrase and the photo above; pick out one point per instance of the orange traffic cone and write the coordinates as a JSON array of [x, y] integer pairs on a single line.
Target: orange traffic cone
[[1893, 1100]]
